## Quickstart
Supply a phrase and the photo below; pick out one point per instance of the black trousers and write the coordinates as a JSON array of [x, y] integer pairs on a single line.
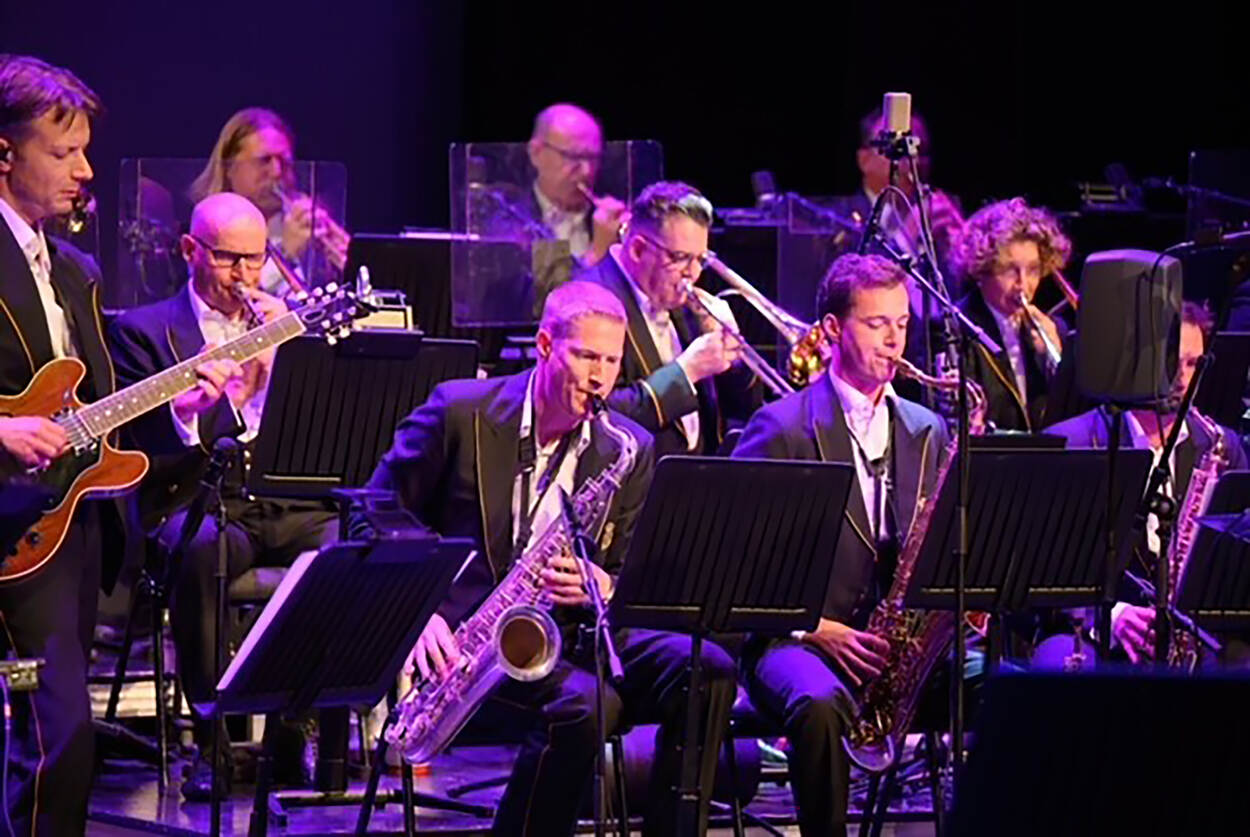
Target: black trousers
[[52, 616], [557, 716], [797, 684], [258, 533]]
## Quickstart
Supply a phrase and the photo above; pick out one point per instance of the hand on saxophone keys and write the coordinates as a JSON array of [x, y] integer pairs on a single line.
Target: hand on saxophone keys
[[436, 649], [563, 580], [860, 655]]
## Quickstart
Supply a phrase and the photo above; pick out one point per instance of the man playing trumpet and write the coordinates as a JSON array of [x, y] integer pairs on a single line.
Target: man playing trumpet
[[673, 379], [850, 414], [254, 156]]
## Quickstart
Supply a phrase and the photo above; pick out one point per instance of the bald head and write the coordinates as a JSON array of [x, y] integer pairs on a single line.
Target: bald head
[[226, 247], [565, 150]]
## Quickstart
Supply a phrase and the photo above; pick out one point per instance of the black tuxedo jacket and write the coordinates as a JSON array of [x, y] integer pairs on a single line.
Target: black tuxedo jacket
[[657, 394], [454, 462], [26, 346], [145, 341], [1089, 430], [810, 425]]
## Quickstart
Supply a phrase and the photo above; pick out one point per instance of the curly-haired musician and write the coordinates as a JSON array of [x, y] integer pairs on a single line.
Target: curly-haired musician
[[49, 308], [1004, 251], [849, 415], [1132, 623], [486, 459]]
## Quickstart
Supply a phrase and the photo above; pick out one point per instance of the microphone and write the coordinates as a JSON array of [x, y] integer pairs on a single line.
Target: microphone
[[764, 187], [895, 140]]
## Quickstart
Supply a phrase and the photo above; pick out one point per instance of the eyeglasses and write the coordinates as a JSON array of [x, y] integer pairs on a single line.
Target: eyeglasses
[[673, 258], [572, 158], [228, 258]]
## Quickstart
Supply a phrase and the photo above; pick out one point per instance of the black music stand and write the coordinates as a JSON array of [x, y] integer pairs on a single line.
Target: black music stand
[[331, 411], [730, 545], [1038, 538], [1215, 588], [380, 595], [1223, 391]]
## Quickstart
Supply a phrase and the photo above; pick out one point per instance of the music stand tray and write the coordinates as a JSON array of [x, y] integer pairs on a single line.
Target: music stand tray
[[728, 545], [1037, 530], [331, 411], [1214, 590]]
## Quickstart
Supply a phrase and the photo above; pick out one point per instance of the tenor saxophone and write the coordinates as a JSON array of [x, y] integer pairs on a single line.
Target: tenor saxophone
[[511, 634]]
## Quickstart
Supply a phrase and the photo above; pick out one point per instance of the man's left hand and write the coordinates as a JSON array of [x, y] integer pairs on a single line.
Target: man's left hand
[[1046, 324], [610, 214], [562, 579]]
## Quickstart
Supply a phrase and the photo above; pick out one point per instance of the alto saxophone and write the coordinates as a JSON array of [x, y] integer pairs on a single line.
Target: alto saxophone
[[1184, 648], [512, 633]]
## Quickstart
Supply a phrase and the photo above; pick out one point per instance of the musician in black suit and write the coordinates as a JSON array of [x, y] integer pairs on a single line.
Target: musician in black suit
[[225, 250], [849, 415], [1132, 621], [49, 308], [673, 378], [1003, 252], [485, 459]]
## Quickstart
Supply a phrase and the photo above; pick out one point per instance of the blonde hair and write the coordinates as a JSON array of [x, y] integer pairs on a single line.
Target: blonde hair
[[573, 300], [996, 225], [238, 127]]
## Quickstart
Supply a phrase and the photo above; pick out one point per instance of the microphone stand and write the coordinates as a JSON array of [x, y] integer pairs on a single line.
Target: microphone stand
[[584, 548], [896, 147]]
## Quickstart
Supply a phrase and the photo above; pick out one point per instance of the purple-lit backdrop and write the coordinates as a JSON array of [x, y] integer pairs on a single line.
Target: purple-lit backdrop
[[1020, 100]]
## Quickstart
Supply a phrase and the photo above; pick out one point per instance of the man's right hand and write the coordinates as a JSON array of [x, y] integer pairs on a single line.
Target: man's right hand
[[861, 656], [711, 353], [436, 649], [1134, 629], [213, 375], [33, 441]]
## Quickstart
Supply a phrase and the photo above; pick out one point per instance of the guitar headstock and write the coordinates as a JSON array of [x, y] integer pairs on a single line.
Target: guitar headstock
[[331, 311]]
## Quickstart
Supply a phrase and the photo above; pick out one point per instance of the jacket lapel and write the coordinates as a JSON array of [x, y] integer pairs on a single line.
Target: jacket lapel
[[82, 315], [638, 336], [912, 441], [999, 364], [496, 430], [21, 300], [833, 442]]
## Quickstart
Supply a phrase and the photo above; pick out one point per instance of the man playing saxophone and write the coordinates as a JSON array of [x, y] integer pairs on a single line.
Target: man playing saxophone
[[487, 459], [851, 414], [1132, 621]]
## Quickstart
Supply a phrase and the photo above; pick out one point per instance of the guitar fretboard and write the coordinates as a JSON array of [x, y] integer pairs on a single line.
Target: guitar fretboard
[[114, 410]]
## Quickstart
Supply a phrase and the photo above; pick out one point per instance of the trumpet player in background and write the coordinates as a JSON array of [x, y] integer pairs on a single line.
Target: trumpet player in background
[[678, 377], [849, 414], [1003, 252], [254, 156]]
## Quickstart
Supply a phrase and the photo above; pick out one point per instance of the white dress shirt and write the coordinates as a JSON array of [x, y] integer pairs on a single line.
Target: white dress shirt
[[35, 247], [869, 426], [219, 329], [1015, 351], [548, 509], [667, 342], [565, 225]]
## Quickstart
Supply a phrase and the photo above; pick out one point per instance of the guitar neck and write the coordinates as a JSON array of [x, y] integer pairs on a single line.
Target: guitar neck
[[109, 413]]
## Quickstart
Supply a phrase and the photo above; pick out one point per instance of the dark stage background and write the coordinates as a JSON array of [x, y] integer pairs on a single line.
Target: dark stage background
[[1021, 100]]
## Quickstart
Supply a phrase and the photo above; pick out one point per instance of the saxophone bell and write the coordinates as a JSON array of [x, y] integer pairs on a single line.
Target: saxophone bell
[[527, 642]]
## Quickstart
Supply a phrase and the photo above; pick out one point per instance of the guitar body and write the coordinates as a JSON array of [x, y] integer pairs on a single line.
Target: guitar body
[[98, 471]]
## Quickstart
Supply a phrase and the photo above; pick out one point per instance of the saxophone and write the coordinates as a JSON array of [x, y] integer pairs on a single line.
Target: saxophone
[[511, 634], [918, 639], [1184, 648]]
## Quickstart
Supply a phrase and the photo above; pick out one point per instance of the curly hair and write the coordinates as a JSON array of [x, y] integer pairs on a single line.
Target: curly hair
[[996, 225], [852, 272]]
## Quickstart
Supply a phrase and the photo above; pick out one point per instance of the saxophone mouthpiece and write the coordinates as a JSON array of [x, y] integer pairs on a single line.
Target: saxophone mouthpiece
[[597, 405]]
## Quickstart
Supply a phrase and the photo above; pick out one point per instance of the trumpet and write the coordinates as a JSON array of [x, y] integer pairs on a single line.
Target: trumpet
[[284, 267], [1053, 352], [326, 232]]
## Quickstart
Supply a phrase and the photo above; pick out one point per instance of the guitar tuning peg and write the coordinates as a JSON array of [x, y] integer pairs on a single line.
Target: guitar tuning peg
[[338, 318], [302, 296], [317, 292], [331, 340], [345, 332], [332, 287]]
